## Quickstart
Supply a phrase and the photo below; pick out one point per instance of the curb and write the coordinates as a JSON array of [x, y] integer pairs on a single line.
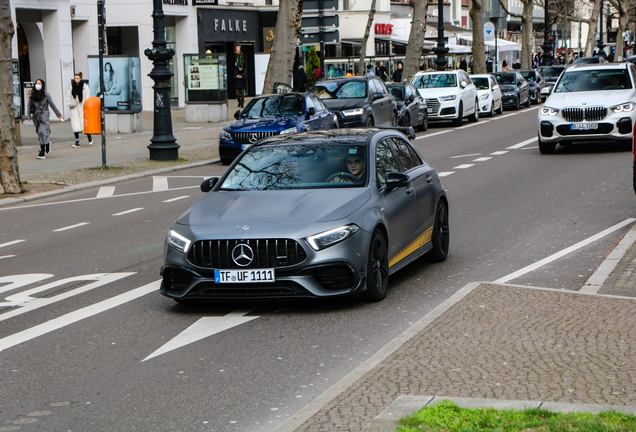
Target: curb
[[12, 201]]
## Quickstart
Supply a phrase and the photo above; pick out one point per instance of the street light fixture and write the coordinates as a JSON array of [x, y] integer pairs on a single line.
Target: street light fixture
[[441, 50]]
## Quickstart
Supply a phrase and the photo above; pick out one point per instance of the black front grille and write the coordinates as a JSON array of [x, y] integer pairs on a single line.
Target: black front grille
[[250, 137], [267, 253], [279, 289], [340, 121], [176, 279], [584, 114], [603, 128], [335, 277]]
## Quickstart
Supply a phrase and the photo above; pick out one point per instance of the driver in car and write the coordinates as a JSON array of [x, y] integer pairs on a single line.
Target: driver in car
[[355, 174]]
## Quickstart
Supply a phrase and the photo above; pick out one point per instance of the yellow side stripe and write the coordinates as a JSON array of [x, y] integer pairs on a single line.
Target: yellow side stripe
[[418, 243]]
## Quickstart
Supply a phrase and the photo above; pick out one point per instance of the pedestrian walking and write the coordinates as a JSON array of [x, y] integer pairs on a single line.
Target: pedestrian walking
[[240, 84], [397, 74], [382, 73], [300, 79], [75, 98], [462, 64], [38, 109], [339, 71]]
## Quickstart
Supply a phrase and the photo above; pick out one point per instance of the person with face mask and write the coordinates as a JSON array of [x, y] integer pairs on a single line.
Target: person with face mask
[[75, 98], [39, 103]]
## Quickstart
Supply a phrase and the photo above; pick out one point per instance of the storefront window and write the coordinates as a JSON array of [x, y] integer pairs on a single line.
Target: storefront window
[[172, 64], [205, 78]]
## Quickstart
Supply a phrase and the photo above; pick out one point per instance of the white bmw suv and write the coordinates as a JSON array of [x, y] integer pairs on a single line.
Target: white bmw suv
[[449, 95], [590, 103]]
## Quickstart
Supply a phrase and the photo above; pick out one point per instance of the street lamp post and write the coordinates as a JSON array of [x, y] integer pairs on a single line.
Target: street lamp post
[[600, 43], [441, 50], [163, 144], [547, 46]]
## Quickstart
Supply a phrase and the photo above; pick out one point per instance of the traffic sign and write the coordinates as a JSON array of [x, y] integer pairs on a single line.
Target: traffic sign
[[489, 32], [314, 21], [328, 37], [315, 5]]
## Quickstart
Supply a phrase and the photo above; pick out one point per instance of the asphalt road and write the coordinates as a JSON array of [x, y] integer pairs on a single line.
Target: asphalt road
[[87, 342]]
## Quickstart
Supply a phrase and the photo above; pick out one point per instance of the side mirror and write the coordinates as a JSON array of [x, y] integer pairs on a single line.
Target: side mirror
[[311, 111], [396, 180], [377, 95], [208, 184], [463, 84], [237, 114]]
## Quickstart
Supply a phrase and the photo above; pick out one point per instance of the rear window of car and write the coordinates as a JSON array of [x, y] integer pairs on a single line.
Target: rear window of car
[[434, 81], [340, 89], [593, 80]]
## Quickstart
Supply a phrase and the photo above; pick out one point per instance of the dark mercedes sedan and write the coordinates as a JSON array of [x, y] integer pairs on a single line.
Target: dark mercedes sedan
[[272, 115], [309, 215], [515, 90]]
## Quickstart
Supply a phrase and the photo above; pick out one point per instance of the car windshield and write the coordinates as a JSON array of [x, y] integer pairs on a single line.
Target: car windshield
[[507, 79], [298, 166], [529, 75], [592, 80], [275, 106], [397, 92], [480, 83], [340, 89], [435, 81], [552, 72]]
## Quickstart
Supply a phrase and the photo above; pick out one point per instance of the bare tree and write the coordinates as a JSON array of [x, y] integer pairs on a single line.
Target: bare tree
[[526, 30], [625, 9], [9, 170], [365, 38], [476, 14], [281, 60], [591, 34], [416, 39]]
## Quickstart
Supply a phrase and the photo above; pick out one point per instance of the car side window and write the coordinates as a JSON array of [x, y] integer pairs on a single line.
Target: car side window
[[310, 104], [405, 156], [384, 163], [382, 87], [317, 104], [410, 93], [493, 82], [372, 88]]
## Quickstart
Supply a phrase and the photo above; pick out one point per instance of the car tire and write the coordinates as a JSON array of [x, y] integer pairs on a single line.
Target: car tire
[[334, 126], [475, 116], [500, 110], [394, 119], [518, 103], [460, 116], [407, 120], [370, 122], [441, 234], [492, 110], [546, 147], [625, 144], [529, 101], [424, 125], [377, 267]]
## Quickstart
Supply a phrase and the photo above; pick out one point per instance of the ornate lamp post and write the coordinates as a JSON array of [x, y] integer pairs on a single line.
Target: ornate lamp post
[[547, 46], [441, 50], [600, 43], [163, 144]]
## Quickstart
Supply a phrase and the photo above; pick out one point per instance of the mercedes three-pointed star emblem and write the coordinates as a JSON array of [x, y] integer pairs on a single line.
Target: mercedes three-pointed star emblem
[[242, 255]]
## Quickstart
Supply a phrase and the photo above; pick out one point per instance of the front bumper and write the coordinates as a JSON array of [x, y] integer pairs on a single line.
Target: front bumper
[[510, 100], [555, 129], [442, 110]]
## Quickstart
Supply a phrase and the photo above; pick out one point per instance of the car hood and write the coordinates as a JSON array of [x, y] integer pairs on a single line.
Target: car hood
[[343, 104], [508, 88], [234, 208], [263, 124], [605, 97], [437, 92]]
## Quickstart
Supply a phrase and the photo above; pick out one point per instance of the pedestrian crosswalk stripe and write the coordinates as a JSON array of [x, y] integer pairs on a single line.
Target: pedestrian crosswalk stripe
[[159, 183], [105, 192]]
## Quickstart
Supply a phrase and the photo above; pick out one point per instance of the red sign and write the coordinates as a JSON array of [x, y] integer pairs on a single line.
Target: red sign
[[385, 29]]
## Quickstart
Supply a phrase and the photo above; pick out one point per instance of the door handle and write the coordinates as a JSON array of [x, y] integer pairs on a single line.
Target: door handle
[[429, 179]]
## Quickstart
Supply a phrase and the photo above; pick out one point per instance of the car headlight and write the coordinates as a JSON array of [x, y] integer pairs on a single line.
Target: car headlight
[[447, 98], [547, 111], [290, 130], [329, 238], [225, 135], [509, 94], [484, 97], [352, 112], [626, 107], [178, 241]]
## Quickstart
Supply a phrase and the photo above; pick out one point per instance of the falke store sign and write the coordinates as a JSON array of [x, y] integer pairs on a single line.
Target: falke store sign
[[384, 29]]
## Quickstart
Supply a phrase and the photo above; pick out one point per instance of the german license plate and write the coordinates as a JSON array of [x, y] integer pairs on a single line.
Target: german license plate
[[244, 276], [584, 126], [429, 110]]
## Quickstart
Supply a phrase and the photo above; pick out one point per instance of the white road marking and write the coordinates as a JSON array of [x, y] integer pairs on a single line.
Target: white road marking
[[105, 192], [499, 153], [522, 144], [464, 166], [177, 198], [482, 159], [71, 227], [446, 173], [128, 211], [564, 252], [462, 156], [11, 243], [7, 256], [433, 134], [78, 315], [204, 327], [18, 281], [159, 183]]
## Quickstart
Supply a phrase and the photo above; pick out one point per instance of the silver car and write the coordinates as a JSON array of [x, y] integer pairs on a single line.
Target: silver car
[[309, 215]]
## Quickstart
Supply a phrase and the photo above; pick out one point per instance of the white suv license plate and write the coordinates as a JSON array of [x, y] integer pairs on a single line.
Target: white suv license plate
[[584, 126], [244, 276]]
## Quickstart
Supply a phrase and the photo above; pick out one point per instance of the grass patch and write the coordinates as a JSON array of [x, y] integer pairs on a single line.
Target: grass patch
[[182, 160], [447, 416], [106, 167], [25, 182]]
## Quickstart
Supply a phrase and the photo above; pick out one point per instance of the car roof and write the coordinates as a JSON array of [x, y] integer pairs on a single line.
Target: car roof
[[480, 75], [454, 72], [354, 136], [351, 78], [596, 66]]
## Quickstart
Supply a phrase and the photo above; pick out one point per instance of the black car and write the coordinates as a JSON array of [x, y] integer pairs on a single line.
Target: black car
[[358, 101], [537, 84], [411, 106], [590, 60], [515, 90], [551, 75]]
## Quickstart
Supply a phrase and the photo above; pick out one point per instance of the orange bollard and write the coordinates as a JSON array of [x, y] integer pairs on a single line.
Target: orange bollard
[[92, 116]]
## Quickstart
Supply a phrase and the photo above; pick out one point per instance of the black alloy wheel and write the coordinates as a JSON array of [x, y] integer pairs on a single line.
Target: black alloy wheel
[[441, 234], [377, 268]]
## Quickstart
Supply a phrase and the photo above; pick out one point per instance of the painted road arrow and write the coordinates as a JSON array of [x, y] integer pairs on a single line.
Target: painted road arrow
[[206, 326]]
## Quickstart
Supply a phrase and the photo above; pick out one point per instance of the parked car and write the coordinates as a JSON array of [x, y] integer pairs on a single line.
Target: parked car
[[589, 60], [309, 215], [358, 101], [537, 84], [551, 75], [489, 94], [590, 103], [514, 88], [411, 107], [449, 95], [272, 115]]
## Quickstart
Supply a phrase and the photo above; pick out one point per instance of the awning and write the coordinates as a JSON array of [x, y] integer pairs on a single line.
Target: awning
[[502, 44]]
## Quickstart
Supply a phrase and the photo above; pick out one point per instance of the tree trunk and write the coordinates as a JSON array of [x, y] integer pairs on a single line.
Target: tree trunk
[[526, 34], [281, 60], [479, 57], [363, 49], [623, 21], [9, 171], [592, 29], [416, 39]]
